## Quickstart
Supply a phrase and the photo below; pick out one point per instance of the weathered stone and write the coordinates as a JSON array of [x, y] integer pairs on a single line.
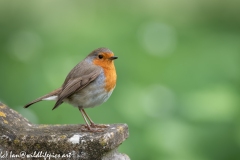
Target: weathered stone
[[19, 137]]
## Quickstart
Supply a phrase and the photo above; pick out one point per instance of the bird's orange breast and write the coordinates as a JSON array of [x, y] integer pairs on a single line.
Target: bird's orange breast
[[109, 72], [111, 78]]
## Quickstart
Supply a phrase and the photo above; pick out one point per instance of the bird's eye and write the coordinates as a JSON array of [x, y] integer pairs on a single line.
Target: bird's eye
[[100, 56]]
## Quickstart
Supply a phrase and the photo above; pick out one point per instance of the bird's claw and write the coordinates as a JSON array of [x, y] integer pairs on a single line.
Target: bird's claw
[[99, 125], [94, 128]]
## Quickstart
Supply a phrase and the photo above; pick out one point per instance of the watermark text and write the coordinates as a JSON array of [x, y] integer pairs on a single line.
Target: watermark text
[[35, 154]]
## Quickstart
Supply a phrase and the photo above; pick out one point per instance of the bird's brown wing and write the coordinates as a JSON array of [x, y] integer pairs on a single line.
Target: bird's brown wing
[[73, 85]]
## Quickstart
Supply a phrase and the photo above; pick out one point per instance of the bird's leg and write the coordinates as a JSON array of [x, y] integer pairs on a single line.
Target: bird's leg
[[92, 123], [92, 127], [82, 112]]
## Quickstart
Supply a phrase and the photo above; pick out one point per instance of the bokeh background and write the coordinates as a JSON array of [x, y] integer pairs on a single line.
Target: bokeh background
[[178, 69]]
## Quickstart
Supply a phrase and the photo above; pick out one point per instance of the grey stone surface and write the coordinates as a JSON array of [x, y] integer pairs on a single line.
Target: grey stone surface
[[115, 155], [20, 139]]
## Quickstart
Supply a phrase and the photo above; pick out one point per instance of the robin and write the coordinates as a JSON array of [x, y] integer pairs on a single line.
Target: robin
[[90, 83]]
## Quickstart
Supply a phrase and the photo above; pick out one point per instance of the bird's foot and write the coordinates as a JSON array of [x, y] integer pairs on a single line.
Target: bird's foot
[[99, 125], [93, 128]]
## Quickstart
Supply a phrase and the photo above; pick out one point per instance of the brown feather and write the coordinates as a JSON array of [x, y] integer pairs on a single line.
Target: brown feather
[[53, 93], [72, 85]]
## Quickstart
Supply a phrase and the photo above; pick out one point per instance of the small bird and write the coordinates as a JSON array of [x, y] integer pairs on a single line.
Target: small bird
[[90, 83]]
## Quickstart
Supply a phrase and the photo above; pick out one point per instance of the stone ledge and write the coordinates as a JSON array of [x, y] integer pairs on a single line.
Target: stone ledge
[[18, 135]]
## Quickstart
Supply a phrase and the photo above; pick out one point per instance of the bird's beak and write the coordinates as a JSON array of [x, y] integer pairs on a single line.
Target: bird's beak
[[113, 58]]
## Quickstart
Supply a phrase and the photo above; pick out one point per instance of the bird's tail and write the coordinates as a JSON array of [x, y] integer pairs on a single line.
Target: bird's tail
[[50, 96]]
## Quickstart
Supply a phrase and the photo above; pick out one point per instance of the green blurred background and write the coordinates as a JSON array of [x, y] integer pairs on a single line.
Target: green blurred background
[[178, 69]]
